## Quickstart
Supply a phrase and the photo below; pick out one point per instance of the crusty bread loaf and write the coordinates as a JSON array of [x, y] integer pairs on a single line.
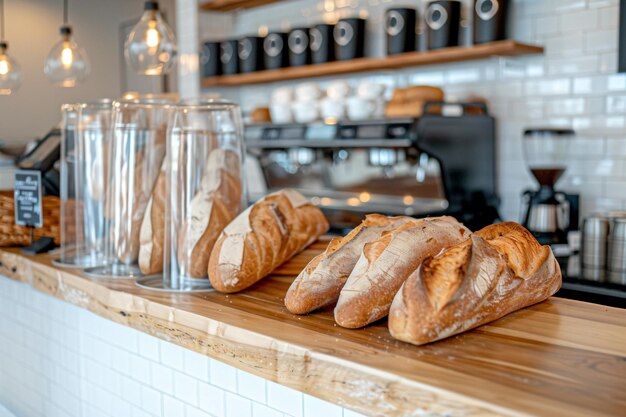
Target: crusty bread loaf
[[500, 269], [152, 233], [216, 204], [320, 282], [417, 93], [133, 180], [261, 238], [387, 262]]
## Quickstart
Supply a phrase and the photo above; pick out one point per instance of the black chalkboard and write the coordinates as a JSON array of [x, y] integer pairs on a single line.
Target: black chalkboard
[[28, 207]]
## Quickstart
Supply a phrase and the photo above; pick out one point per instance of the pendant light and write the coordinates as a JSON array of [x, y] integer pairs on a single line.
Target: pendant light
[[150, 48], [10, 74], [67, 64]]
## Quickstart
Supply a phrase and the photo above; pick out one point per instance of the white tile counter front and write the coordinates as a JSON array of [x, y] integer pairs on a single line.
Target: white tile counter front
[[59, 360]]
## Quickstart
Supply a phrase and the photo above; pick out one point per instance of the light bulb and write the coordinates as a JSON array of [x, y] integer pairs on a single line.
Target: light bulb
[[152, 35], [67, 56], [5, 65], [67, 64], [10, 74], [150, 48]]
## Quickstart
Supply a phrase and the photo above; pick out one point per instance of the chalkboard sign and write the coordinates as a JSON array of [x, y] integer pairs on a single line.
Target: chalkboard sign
[[28, 208]]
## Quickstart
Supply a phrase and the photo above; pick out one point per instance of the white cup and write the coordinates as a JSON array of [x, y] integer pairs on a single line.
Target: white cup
[[282, 95], [332, 109], [370, 90], [360, 108], [281, 113], [305, 111], [308, 92], [338, 90], [379, 111]]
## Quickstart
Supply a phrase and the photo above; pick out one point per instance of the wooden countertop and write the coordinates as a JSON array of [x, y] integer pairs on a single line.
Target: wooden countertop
[[558, 358]]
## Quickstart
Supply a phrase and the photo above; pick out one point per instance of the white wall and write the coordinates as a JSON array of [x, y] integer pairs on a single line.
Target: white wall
[[32, 27], [574, 83], [58, 360]]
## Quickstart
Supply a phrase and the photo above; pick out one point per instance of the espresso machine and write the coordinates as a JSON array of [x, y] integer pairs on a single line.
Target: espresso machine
[[549, 214], [441, 163]]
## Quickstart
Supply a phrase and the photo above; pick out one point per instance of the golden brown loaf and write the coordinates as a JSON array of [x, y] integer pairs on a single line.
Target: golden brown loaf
[[261, 238], [387, 262], [216, 204], [409, 102], [152, 233], [131, 193], [320, 282], [500, 269]]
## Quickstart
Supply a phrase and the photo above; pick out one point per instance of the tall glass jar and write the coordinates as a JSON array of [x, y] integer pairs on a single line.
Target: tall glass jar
[[205, 188], [84, 144], [137, 152]]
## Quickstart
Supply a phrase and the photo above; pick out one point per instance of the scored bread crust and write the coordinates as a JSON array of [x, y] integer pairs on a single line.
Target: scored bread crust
[[500, 269], [321, 281], [151, 235], [268, 233], [216, 204], [387, 262]]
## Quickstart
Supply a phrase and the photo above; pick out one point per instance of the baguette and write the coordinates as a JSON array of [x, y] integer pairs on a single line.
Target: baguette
[[500, 269], [216, 204], [129, 193], [321, 281], [268, 233], [152, 233], [387, 262]]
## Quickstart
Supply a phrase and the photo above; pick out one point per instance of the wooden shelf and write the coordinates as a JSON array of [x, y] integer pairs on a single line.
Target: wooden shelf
[[230, 5], [406, 60], [557, 358]]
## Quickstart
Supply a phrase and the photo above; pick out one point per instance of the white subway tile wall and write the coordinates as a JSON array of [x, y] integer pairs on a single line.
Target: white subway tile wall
[[58, 360], [574, 83]]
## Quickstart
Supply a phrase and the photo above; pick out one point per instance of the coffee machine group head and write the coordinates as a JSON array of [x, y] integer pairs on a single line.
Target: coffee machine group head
[[549, 214]]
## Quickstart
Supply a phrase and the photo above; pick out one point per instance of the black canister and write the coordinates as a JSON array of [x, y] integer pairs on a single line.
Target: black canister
[[400, 30], [250, 54], [349, 35], [228, 57], [275, 50], [322, 43], [210, 59], [443, 18], [299, 47], [490, 20]]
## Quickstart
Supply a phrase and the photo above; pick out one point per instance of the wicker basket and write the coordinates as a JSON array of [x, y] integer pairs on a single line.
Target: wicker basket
[[14, 235]]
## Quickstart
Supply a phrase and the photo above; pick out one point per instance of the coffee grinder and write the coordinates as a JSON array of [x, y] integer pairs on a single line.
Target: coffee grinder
[[549, 214]]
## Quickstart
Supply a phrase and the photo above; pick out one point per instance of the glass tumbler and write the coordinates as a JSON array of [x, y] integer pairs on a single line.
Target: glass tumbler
[[137, 151], [84, 144], [205, 189]]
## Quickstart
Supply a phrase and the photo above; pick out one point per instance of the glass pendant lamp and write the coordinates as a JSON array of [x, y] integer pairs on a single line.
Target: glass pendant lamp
[[10, 74], [67, 64], [150, 48]]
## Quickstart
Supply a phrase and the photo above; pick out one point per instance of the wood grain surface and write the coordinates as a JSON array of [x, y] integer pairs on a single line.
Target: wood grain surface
[[231, 5], [405, 60], [557, 358]]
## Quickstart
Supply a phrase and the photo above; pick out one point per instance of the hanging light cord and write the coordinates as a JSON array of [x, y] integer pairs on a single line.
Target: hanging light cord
[[65, 12], [2, 20]]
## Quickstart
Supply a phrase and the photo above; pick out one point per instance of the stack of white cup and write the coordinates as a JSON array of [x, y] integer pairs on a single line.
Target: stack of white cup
[[305, 107], [368, 103], [333, 106], [280, 105]]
